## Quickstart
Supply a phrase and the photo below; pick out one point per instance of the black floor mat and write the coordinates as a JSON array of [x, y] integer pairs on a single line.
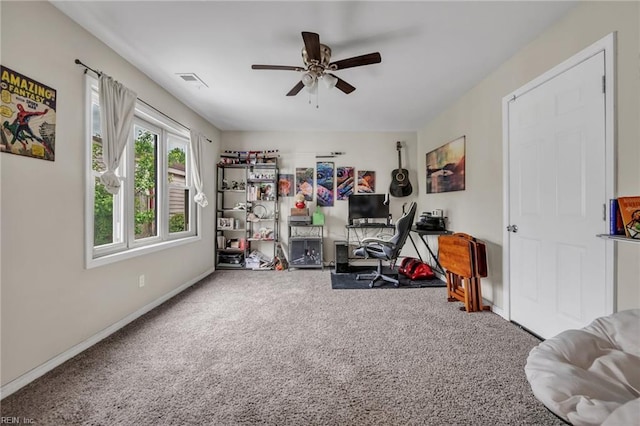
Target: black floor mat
[[347, 281]]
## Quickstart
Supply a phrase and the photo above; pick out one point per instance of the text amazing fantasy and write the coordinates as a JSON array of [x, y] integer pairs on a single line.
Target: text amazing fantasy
[[28, 115]]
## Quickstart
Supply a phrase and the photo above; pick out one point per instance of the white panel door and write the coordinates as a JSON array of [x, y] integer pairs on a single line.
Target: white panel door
[[556, 200]]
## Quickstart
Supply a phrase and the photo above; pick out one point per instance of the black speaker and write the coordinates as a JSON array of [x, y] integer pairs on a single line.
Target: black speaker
[[342, 257]]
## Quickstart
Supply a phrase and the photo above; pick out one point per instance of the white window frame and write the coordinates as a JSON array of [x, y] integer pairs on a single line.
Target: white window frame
[[130, 247], [133, 241], [188, 185]]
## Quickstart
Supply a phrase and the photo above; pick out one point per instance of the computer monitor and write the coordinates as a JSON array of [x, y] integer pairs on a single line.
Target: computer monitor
[[368, 206]]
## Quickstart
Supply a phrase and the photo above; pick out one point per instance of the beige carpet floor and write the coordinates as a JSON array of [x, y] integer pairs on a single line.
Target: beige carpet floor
[[283, 348]]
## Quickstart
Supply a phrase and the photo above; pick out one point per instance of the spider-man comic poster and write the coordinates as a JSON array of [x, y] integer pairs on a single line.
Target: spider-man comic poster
[[28, 115], [324, 178]]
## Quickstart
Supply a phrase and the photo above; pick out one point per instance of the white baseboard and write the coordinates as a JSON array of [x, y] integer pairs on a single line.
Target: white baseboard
[[499, 311], [42, 369]]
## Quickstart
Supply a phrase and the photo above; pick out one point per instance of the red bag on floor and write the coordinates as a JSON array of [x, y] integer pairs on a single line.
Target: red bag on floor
[[421, 271], [404, 265], [415, 269]]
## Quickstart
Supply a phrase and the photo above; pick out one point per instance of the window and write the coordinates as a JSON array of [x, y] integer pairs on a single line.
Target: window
[[154, 208], [145, 180], [180, 195]]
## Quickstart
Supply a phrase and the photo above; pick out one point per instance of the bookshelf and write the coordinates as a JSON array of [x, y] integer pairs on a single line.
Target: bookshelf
[[247, 216]]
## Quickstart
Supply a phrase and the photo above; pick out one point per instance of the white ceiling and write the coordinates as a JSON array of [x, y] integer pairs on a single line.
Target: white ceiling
[[432, 53]]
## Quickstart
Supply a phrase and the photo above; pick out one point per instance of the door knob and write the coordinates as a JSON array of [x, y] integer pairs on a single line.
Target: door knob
[[512, 228]]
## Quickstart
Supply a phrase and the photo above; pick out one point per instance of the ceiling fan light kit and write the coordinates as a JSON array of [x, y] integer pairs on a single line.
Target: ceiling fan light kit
[[329, 81], [309, 79], [313, 90], [318, 66]]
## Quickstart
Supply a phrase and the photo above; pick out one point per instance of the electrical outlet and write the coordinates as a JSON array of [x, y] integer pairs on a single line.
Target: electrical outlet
[[141, 281]]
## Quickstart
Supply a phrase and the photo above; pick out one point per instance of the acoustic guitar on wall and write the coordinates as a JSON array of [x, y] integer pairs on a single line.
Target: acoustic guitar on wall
[[400, 185]]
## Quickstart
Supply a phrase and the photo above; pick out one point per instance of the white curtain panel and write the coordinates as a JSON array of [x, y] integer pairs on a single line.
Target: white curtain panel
[[117, 105], [195, 147]]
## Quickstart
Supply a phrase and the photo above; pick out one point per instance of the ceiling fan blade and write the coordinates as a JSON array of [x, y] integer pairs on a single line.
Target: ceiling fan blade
[[357, 61], [276, 67], [296, 89], [343, 85], [312, 45]]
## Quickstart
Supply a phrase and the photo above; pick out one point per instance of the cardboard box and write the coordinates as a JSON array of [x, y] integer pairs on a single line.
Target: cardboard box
[[300, 212]]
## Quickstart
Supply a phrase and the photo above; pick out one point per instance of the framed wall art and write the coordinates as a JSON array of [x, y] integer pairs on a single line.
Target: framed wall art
[[446, 167], [285, 185], [366, 182], [325, 193], [304, 182], [28, 111], [344, 182]]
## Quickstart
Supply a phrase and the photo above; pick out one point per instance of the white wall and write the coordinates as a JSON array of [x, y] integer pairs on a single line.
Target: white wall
[[478, 115], [365, 151], [50, 302]]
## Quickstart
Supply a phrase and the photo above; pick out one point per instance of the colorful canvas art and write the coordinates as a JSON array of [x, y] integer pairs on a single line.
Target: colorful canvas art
[[344, 182], [285, 185], [324, 180], [445, 167], [28, 112], [304, 182], [366, 181]]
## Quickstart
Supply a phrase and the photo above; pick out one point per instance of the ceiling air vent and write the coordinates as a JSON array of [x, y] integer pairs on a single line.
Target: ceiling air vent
[[192, 78]]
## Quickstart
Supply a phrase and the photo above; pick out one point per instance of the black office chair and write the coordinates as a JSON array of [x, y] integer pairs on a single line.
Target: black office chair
[[386, 248]]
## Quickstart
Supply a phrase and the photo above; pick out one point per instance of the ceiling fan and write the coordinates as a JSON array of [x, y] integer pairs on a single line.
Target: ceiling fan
[[317, 66]]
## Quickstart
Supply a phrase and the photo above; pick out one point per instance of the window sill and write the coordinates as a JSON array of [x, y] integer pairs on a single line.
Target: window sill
[[138, 251]]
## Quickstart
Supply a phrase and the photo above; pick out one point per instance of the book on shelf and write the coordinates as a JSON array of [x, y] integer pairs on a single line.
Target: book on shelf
[[630, 213], [615, 220]]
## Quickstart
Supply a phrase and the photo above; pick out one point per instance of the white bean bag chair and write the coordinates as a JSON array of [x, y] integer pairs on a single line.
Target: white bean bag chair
[[591, 376]]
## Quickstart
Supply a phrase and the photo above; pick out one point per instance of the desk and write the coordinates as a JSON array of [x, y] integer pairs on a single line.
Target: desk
[[423, 234]]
